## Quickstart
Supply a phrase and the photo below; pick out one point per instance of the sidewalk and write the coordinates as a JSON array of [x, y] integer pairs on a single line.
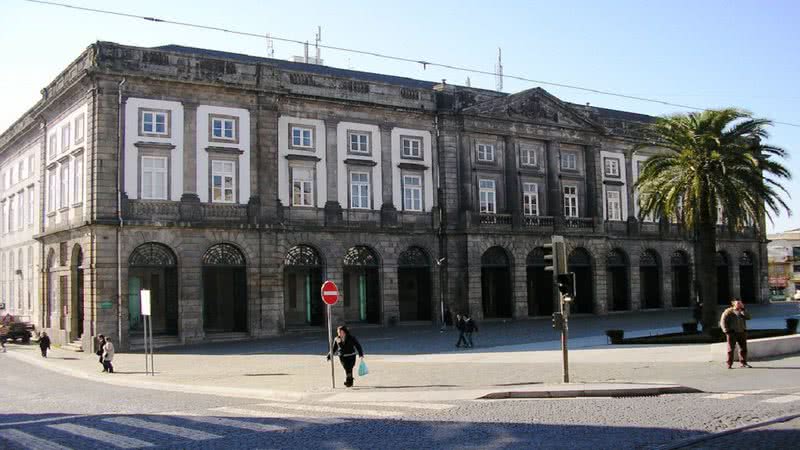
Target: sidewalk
[[294, 368]]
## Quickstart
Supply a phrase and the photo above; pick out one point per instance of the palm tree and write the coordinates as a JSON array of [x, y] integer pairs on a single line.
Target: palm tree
[[712, 161]]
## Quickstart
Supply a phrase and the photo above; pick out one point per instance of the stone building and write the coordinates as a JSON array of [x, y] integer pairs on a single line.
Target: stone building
[[230, 186], [784, 265]]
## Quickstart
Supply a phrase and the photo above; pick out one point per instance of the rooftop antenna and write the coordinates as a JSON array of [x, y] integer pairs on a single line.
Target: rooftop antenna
[[318, 39], [270, 48], [498, 71], [467, 83]]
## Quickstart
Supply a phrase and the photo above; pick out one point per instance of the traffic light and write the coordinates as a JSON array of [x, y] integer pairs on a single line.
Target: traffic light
[[566, 284], [555, 255], [558, 321]]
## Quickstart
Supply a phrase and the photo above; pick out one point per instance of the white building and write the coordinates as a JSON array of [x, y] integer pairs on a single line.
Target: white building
[[783, 252]]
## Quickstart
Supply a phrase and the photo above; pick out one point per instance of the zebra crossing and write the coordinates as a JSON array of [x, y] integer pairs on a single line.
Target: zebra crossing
[[188, 427], [763, 396]]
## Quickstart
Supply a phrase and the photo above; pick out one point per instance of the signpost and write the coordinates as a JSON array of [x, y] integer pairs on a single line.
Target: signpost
[[144, 296], [330, 295]]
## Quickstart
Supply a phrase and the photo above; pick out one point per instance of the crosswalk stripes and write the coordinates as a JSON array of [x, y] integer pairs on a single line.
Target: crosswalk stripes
[[112, 439], [279, 415], [736, 394], [186, 433], [779, 399], [227, 422], [332, 410], [784, 398], [29, 441], [410, 405]]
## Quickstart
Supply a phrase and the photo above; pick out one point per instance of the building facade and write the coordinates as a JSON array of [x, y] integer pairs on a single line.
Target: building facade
[[231, 186], [784, 265]]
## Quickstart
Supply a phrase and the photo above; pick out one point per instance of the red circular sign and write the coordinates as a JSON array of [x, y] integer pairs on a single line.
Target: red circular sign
[[330, 293]]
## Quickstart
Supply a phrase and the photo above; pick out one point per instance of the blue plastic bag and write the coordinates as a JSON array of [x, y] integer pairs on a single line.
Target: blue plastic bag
[[362, 368]]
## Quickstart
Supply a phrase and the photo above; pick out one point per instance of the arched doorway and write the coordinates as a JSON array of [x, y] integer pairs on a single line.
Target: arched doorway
[[153, 267], [496, 283], [50, 290], [76, 321], [681, 290], [540, 284], [302, 282], [747, 278], [579, 262], [617, 280], [723, 278], [414, 284], [224, 290], [362, 294], [650, 280]]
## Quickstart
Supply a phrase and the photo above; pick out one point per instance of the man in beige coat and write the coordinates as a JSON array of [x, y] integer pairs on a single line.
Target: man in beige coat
[[733, 324], [108, 355]]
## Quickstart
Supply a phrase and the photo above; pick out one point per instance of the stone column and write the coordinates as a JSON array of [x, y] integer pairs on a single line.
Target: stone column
[[600, 275], [190, 149], [519, 281], [635, 284], [513, 187], [386, 163], [665, 281], [555, 198], [190, 305], [264, 156], [391, 294], [594, 183], [331, 160]]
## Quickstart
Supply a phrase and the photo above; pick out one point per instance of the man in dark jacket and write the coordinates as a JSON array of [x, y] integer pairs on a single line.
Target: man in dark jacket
[[460, 328], [101, 342], [734, 324], [346, 346], [469, 327], [44, 344]]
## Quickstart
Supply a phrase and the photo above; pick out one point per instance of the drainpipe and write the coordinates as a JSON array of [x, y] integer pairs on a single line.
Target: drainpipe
[[119, 210]]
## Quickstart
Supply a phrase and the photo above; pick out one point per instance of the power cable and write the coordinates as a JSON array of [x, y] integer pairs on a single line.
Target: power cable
[[423, 63]]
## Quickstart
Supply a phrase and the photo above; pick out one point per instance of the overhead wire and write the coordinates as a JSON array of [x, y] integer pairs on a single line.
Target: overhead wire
[[424, 63]]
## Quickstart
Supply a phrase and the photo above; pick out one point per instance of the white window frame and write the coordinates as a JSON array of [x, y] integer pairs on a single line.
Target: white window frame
[[223, 121], [530, 199], [360, 190], [301, 142], [358, 142], [154, 172], [64, 185], [611, 167], [65, 138], [78, 134], [219, 168], [412, 193], [11, 213], [21, 170], [569, 160], [613, 205], [528, 156], [571, 202], [52, 145], [21, 210], [31, 164], [77, 188], [52, 189], [306, 186], [411, 147], [31, 206], [485, 152], [153, 122], [487, 195]]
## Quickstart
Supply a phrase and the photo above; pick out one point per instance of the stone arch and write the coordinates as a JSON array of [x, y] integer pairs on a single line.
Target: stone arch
[[496, 289], [414, 284], [362, 284], [681, 278], [580, 262], [77, 292], [618, 279], [303, 274], [153, 266], [225, 302], [650, 279], [722, 262], [747, 277], [539, 284], [50, 293]]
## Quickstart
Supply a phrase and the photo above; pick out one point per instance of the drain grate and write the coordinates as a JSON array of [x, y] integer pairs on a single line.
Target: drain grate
[[635, 395]]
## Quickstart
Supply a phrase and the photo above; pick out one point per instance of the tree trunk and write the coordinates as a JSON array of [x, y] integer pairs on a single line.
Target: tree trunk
[[706, 273]]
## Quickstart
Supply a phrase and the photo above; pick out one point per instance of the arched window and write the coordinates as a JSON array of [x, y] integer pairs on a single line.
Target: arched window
[[413, 257], [360, 256], [152, 254], [494, 257], [223, 255], [302, 256]]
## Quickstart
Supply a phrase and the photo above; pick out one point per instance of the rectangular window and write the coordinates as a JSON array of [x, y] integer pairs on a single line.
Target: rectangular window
[[302, 187], [796, 268], [528, 156], [11, 213], [21, 170], [63, 194], [51, 146], [12, 179], [65, 138], [31, 206], [485, 152], [359, 142], [302, 137], [613, 206], [31, 163], [21, 210], [222, 128], [52, 189], [570, 201], [154, 177], [411, 147], [569, 160], [796, 253], [412, 192], [223, 181], [154, 122], [611, 167], [359, 190], [79, 126], [488, 196], [77, 192], [530, 199]]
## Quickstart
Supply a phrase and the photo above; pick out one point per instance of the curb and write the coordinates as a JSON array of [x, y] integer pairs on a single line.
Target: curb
[[593, 392], [707, 437], [261, 394]]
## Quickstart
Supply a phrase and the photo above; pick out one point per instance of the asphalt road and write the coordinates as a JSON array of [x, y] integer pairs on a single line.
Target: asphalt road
[[45, 410]]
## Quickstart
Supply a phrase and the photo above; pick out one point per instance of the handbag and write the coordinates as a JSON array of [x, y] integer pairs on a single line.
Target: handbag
[[362, 368]]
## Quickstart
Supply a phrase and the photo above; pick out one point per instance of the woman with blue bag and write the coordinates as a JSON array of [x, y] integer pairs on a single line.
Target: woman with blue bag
[[347, 347]]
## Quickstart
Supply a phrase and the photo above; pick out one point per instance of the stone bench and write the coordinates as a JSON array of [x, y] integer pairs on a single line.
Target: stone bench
[[760, 348]]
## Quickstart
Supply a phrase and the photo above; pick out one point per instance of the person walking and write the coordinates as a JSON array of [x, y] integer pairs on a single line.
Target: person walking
[[108, 355], [460, 328], [101, 342], [347, 347], [44, 344], [469, 327], [733, 324]]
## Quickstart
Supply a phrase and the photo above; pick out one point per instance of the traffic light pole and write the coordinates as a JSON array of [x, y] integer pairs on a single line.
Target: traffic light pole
[[564, 339]]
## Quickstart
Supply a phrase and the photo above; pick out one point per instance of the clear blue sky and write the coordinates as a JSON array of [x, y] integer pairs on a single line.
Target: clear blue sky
[[703, 53]]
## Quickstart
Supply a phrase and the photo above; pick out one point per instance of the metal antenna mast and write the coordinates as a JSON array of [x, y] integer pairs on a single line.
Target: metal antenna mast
[[498, 70], [270, 48]]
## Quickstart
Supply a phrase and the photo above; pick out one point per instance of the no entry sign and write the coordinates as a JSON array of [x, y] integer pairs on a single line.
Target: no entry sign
[[330, 293]]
